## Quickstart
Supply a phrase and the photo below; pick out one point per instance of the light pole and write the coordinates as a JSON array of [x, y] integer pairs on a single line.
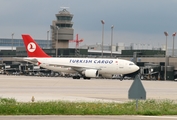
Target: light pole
[[56, 42], [48, 39], [174, 34], [112, 27], [102, 21], [166, 34], [12, 41]]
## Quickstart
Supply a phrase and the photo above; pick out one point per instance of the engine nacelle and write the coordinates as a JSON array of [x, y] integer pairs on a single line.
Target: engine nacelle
[[91, 73]]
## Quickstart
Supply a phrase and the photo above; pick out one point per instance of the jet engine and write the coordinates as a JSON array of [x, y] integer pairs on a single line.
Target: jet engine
[[91, 73]]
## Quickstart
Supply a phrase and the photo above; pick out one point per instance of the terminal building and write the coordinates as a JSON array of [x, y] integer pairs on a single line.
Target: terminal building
[[12, 44]]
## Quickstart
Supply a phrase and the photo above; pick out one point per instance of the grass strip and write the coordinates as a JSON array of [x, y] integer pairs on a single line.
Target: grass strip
[[10, 106]]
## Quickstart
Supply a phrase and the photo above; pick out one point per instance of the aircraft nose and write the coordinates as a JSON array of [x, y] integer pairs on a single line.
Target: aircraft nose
[[137, 68]]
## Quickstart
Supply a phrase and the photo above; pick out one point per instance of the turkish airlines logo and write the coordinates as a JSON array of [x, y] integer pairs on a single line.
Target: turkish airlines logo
[[31, 47]]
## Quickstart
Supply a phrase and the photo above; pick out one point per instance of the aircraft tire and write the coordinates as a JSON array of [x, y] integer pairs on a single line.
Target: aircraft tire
[[78, 77], [86, 78]]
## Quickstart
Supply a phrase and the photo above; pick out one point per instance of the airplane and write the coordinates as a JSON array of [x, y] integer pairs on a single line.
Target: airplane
[[84, 67]]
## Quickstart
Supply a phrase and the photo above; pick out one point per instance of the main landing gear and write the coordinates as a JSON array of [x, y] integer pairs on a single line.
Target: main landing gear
[[78, 77], [86, 78]]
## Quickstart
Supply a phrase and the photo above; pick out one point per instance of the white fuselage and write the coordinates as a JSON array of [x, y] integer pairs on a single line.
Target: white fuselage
[[73, 65]]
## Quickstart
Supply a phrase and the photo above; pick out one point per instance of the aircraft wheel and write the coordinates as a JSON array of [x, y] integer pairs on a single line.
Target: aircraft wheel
[[78, 77], [86, 78], [121, 78]]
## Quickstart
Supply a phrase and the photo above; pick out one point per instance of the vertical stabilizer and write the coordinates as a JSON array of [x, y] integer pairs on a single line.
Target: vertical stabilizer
[[32, 48]]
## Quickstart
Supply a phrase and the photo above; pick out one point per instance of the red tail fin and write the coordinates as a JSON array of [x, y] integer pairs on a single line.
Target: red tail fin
[[32, 48]]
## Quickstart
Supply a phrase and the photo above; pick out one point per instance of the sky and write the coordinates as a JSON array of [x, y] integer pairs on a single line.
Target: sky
[[135, 21]]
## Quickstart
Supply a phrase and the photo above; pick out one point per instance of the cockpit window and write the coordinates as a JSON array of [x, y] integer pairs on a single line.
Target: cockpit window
[[131, 64]]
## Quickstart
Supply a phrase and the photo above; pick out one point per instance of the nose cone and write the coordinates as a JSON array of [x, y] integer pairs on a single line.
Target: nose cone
[[136, 68]]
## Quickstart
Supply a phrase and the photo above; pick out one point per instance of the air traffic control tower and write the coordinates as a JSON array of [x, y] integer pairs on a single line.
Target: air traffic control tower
[[61, 29]]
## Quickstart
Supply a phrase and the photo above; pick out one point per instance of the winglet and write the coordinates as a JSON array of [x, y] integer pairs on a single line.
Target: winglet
[[32, 48]]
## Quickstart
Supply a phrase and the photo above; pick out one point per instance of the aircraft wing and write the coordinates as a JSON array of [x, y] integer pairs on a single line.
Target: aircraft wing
[[31, 60]]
